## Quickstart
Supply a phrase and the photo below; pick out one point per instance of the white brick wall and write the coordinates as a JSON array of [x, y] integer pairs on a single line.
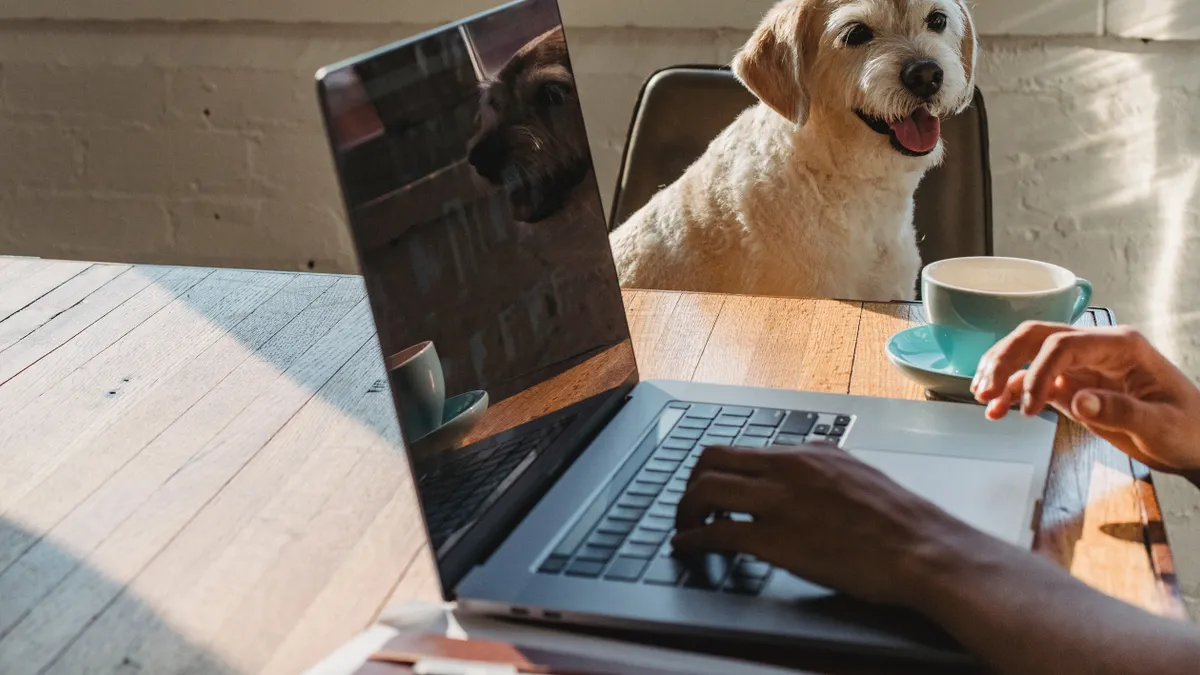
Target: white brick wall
[[198, 142]]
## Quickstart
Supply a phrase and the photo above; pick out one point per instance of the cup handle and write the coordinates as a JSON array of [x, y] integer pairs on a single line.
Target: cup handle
[[1084, 301]]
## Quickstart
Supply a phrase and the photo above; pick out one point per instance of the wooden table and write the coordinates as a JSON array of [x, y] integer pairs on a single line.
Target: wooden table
[[199, 468]]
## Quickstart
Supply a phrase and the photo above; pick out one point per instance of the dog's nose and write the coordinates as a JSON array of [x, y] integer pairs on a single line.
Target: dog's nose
[[923, 78], [485, 159]]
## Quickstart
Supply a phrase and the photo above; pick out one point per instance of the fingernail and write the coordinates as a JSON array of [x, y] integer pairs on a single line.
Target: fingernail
[[1027, 403], [1088, 404]]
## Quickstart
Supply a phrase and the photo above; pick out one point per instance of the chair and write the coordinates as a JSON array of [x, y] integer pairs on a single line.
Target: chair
[[682, 108]]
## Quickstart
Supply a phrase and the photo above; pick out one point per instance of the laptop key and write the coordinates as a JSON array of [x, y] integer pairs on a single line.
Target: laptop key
[[642, 551], [789, 439], [596, 554], [679, 444], [730, 421], [842, 421], [752, 569], [654, 478], [769, 418], [636, 501], [585, 568], [621, 527], [644, 490], [703, 411], [744, 586], [759, 431], [679, 485], [605, 540], [664, 572], [687, 434], [737, 412], [627, 569], [671, 499], [693, 423], [707, 571], [724, 433], [837, 432], [799, 423], [821, 430], [624, 513], [662, 465], [554, 564], [648, 537], [661, 510], [668, 455], [750, 442], [656, 524]]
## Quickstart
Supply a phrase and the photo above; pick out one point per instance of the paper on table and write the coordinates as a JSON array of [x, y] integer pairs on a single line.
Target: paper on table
[[440, 620]]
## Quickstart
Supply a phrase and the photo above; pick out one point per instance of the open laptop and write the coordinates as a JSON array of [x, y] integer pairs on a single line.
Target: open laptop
[[549, 483]]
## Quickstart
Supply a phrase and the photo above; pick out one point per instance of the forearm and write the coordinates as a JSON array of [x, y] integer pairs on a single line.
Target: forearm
[[1022, 614]]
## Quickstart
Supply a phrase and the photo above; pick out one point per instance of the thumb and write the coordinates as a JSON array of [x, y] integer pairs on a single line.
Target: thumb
[[1110, 410]]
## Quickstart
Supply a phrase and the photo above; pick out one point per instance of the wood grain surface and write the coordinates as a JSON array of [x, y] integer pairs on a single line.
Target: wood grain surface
[[200, 473]]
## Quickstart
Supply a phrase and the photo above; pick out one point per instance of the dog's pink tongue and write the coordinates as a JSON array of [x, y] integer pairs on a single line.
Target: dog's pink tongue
[[920, 132]]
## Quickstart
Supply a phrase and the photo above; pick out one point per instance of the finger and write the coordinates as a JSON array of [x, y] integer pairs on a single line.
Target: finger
[[1113, 411], [998, 407], [723, 536], [1010, 355], [1061, 352], [716, 492], [739, 461]]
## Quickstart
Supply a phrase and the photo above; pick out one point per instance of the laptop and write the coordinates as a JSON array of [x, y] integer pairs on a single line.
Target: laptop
[[547, 471]]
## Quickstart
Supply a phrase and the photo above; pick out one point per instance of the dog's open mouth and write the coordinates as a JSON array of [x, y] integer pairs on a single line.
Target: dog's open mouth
[[916, 135]]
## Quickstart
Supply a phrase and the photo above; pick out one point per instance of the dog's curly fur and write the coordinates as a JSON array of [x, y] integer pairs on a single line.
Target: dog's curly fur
[[531, 138], [801, 195]]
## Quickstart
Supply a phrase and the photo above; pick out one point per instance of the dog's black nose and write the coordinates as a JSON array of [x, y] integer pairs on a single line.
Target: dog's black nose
[[923, 78]]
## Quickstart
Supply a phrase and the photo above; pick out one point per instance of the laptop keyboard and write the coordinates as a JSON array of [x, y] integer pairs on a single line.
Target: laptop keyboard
[[455, 493], [628, 540]]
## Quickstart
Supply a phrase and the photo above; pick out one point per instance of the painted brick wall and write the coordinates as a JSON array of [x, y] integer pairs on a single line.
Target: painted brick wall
[[187, 132]]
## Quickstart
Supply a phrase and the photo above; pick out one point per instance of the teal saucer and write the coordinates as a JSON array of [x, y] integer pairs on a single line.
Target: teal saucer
[[459, 417], [916, 353]]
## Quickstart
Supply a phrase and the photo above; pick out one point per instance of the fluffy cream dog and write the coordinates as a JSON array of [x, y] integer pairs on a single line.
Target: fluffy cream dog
[[810, 193]]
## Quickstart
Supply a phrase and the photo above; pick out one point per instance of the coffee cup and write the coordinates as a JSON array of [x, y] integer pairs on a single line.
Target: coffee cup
[[978, 301], [419, 388]]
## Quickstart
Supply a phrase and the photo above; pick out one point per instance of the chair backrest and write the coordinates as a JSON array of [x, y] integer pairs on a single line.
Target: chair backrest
[[683, 108]]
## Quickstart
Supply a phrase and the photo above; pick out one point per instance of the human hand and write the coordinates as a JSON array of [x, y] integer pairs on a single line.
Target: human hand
[[1110, 380], [824, 516]]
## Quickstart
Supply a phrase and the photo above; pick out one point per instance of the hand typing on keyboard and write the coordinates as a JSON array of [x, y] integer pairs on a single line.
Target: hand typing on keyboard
[[815, 511]]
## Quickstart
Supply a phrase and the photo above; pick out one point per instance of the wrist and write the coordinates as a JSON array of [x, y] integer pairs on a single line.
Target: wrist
[[943, 569]]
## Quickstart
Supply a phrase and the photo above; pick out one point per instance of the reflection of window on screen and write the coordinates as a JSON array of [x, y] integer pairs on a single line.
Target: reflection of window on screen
[[494, 39]]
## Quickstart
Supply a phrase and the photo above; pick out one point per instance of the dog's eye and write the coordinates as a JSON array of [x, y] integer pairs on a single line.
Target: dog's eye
[[858, 34], [554, 93], [937, 22]]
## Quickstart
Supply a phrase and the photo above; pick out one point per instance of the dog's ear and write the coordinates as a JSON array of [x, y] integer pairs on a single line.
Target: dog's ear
[[771, 65], [969, 52]]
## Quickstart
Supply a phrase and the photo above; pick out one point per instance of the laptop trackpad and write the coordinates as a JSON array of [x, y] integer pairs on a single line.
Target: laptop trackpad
[[989, 495]]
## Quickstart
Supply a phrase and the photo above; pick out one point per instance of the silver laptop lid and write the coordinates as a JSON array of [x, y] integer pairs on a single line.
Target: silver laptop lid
[[473, 205]]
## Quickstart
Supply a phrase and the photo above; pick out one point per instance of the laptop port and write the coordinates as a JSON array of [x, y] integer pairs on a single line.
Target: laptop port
[[519, 611], [552, 616]]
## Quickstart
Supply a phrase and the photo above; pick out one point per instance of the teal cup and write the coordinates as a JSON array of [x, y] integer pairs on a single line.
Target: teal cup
[[978, 301], [419, 388]]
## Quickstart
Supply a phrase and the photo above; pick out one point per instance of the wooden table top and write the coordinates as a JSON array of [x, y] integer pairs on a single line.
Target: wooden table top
[[199, 469]]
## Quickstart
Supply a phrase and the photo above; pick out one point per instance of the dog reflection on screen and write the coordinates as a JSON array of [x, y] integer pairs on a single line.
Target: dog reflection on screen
[[531, 139]]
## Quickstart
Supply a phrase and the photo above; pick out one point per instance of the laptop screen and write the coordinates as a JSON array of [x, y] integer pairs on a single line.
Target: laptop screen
[[473, 204]]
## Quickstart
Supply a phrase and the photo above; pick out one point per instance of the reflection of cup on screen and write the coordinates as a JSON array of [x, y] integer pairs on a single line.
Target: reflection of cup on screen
[[420, 389], [354, 118]]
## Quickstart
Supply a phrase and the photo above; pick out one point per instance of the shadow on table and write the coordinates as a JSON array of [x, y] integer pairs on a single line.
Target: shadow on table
[[89, 623]]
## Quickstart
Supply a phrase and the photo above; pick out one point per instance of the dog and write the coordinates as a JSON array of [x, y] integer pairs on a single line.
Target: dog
[[531, 138], [810, 192]]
